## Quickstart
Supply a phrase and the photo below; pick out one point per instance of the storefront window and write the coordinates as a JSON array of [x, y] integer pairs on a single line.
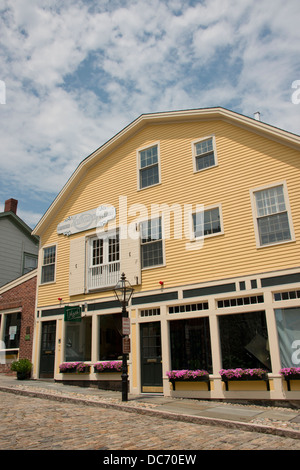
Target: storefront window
[[12, 328], [78, 340], [190, 344], [288, 327], [244, 341], [110, 337]]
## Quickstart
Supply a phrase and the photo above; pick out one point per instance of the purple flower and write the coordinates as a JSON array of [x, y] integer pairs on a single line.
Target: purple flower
[[286, 371], [238, 373], [186, 374], [108, 365]]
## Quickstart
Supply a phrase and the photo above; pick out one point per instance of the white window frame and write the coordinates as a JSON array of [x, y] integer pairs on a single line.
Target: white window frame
[[159, 216], [195, 156], [42, 264], [103, 236], [3, 315], [256, 216], [206, 209], [139, 169]]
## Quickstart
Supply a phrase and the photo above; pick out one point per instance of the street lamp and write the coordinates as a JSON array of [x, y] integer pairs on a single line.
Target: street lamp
[[123, 292]]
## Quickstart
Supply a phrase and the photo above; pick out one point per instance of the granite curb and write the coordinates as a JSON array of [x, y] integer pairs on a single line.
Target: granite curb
[[140, 409]]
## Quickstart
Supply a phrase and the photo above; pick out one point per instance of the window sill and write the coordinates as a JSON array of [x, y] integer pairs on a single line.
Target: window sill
[[153, 267], [147, 187], [259, 247], [205, 169]]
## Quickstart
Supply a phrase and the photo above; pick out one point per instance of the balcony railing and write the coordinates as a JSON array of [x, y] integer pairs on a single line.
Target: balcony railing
[[104, 275]]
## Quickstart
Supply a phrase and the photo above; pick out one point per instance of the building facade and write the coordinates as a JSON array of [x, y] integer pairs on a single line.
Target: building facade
[[17, 316], [18, 248], [200, 210]]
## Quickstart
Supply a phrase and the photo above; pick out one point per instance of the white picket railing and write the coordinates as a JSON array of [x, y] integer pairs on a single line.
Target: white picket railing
[[104, 275]]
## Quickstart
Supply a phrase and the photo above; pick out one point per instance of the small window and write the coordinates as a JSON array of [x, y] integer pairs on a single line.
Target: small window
[[272, 217], [205, 154], [151, 243], [48, 267], [30, 262], [148, 167], [207, 222]]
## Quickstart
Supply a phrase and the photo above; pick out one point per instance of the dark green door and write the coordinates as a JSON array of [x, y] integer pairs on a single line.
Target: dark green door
[[151, 359], [47, 350]]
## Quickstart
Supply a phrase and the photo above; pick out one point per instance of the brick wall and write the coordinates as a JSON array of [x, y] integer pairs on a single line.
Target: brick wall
[[21, 296]]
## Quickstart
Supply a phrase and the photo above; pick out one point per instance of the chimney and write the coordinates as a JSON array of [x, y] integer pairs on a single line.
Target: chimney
[[257, 116], [11, 205]]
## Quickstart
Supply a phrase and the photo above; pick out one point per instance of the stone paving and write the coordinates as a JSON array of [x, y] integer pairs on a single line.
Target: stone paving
[[30, 423]]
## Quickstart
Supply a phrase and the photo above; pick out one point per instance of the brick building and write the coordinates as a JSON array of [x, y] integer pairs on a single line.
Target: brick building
[[17, 306]]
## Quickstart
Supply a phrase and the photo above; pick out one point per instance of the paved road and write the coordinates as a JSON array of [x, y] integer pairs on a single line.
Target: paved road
[[28, 423]]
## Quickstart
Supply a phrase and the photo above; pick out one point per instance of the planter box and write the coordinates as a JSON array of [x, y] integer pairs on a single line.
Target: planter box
[[197, 379], [290, 377], [86, 370], [246, 378], [107, 371]]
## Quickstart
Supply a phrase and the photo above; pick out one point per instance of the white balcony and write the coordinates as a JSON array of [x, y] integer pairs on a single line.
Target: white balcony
[[103, 276]]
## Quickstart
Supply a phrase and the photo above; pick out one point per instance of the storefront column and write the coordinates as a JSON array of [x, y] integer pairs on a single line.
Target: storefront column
[[273, 343], [216, 355], [165, 348], [95, 339]]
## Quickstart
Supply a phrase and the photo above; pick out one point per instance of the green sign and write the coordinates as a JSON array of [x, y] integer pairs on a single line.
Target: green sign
[[72, 313]]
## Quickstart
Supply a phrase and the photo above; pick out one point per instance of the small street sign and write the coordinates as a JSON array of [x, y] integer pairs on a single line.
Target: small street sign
[[126, 345], [126, 326]]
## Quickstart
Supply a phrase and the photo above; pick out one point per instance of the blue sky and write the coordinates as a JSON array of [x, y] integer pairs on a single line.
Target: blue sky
[[76, 72]]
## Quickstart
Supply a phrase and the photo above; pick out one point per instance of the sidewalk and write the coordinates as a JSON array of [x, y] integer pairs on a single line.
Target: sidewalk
[[266, 419]]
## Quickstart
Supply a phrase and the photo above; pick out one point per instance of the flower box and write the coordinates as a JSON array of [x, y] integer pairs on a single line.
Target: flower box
[[108, 366], [188, 376], [74, 368], [238, 374], [290, 373]]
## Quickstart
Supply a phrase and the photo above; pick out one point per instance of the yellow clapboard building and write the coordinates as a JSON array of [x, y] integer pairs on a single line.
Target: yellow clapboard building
[[200, 210]]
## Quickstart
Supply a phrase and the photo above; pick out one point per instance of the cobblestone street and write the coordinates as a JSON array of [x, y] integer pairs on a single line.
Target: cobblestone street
[[35, 424]]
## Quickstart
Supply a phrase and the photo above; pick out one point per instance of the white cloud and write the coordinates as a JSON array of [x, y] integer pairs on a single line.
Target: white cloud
[[76, 72]]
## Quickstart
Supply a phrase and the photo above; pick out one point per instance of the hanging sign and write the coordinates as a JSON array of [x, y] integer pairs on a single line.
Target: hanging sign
[[126, 345], [73, 313], [87, 220], [126, 326]]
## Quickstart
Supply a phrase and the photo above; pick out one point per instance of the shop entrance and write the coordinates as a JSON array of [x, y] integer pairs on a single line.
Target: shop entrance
[[151, 358], [47, 350]]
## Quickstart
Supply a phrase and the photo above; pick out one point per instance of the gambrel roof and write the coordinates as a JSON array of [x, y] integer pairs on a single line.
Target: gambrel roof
[[204, 114]]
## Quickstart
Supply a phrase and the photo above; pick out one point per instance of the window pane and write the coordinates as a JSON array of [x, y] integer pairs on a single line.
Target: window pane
[[110, 337], [205, 146], [274, 228], [149, 157], [205, 162], [48, 273], [49, 255], [113, 249], [30, 263], [244, 341], [97, 252], [152, 254], [190, 344], [288, 327], [78, 340], [12, 330], [207, 223], [270, 201], [149, 176]]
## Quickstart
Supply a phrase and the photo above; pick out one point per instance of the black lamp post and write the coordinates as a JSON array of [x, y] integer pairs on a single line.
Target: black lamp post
[[123, 292]]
